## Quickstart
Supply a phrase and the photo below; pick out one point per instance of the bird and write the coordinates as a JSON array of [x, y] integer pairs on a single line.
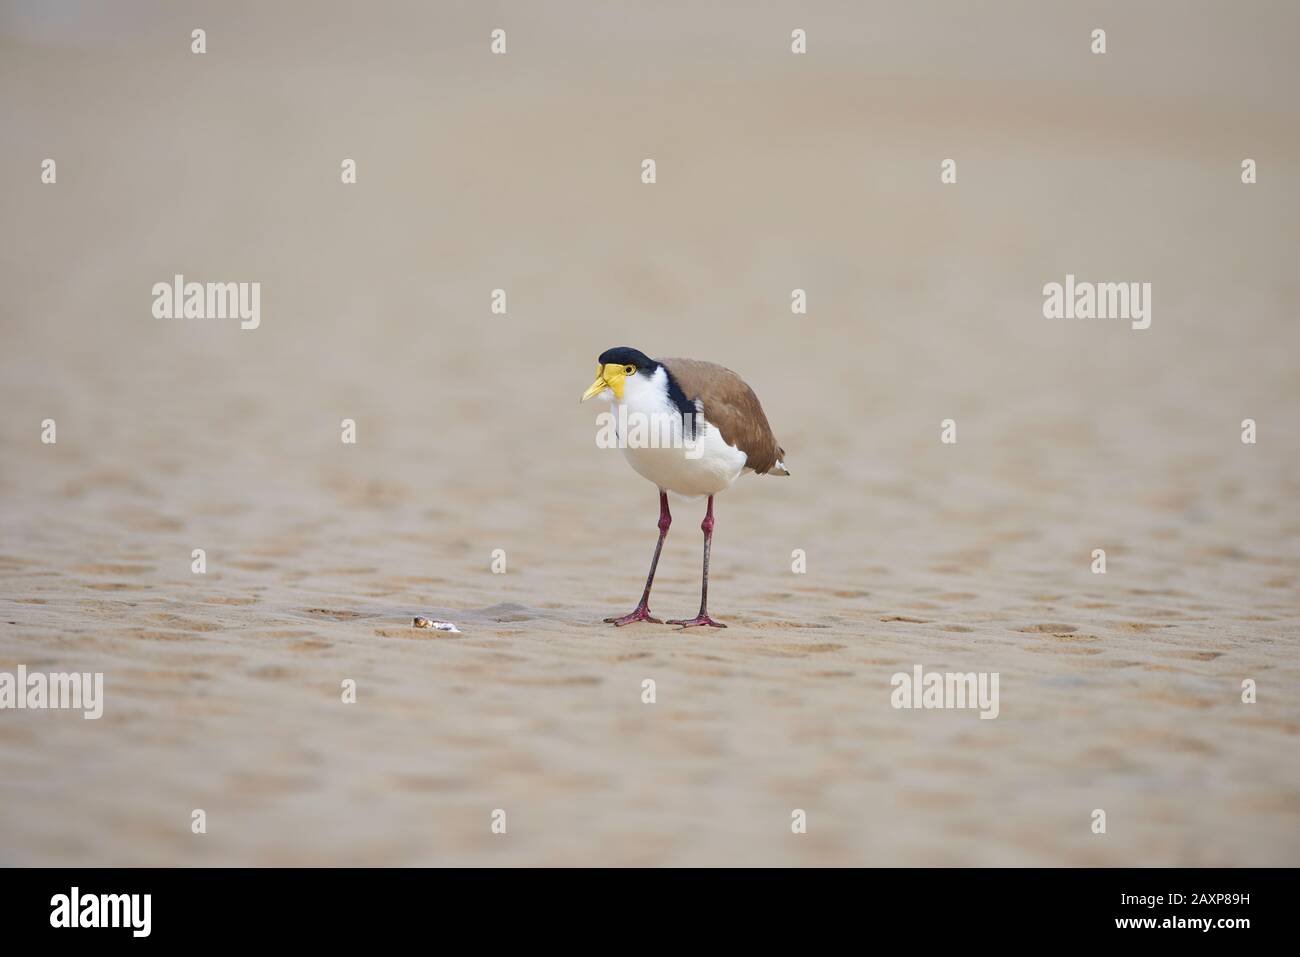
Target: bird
[[691, 428]]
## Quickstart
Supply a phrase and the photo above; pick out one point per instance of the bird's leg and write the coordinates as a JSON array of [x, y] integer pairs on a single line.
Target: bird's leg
[[642, 612], [703, 617]]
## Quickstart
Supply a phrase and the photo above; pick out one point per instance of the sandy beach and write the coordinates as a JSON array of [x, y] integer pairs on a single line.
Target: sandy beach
[[1119, 691]]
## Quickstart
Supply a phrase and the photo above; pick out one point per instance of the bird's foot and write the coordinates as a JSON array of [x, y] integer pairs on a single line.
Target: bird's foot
[[642, 613], [698, 621]]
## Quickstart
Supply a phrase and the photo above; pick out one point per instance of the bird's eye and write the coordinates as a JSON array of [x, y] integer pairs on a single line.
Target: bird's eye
[[629, 370]]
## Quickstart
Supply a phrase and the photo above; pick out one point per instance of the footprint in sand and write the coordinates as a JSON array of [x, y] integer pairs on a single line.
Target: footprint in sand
[[1063, 650], [151, 635], [416, 633], [559, 681], [252, 566], [310, 644], [189, 624], [334, 615], [797, 651], [108, 569]]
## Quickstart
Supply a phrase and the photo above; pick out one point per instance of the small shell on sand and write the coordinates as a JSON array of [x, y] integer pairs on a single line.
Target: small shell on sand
[[422, 622]]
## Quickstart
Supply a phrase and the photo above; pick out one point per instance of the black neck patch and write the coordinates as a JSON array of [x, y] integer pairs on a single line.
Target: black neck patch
[[684, 405]]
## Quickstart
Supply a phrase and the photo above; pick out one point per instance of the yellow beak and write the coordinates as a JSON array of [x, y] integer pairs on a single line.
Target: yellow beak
[[610, 377]]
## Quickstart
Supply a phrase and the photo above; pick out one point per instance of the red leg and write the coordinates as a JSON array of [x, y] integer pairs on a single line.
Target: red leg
[[642, 611], [703, 617]]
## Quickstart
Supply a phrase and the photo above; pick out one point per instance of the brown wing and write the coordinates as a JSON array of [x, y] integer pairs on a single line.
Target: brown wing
[[732, 407]]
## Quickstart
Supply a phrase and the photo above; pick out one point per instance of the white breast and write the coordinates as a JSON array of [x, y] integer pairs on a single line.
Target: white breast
[[708, 467]]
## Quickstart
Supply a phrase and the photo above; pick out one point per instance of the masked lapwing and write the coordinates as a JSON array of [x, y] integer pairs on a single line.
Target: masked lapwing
[[690, 427]]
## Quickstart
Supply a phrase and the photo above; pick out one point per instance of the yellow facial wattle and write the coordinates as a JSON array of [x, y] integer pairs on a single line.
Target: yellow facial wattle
[[609, 376]]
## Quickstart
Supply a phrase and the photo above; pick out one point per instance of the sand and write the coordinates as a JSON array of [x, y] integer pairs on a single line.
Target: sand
[[1120, 692]]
